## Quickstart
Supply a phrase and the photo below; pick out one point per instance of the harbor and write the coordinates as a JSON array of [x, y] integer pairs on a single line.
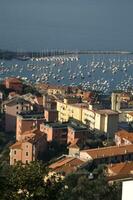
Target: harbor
[[103, 71]]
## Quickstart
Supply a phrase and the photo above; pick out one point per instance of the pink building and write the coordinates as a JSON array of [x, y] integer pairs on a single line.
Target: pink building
[[12, 108], [28, 122], [28, 149]]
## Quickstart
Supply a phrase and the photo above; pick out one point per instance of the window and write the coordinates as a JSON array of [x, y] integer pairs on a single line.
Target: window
[[26, 153], [26, 146], [15, 160], [26, 161], [14, 152], [17, 107]]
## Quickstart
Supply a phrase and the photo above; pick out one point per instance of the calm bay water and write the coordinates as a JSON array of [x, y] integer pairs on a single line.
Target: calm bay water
[[60, 24], [38, 25]]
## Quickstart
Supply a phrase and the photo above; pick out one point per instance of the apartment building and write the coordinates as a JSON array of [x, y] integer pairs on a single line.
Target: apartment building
[[12, 108], [28, 122], [55, 131], [106, 121], [70, 107], [28, 149]]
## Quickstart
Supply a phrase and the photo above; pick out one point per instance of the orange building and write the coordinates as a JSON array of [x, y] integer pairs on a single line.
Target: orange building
[[55, 131], [77, 131]]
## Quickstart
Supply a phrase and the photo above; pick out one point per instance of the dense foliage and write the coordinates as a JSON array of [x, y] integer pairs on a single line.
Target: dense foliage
[[27, 183]]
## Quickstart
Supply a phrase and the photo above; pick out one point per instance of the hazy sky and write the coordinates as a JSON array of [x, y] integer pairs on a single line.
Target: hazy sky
[[71, 24]]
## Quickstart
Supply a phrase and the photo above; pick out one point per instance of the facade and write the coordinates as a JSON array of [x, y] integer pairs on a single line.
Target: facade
[[12, 108], [55, 131], [129, 117], [106, 121], [50, 115], [88, 117], [119, 100], [28, 149], [77, 132], [28, 122], [70, 108], [112, 154]]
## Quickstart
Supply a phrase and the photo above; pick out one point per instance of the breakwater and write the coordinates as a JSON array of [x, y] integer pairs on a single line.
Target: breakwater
[[9, 55]]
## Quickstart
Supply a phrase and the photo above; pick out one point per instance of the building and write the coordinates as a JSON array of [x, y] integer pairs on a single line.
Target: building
[[14, 84], [106, 121], [119, 100], [70, 108], [88, 117], [12, 108], [112, 154], [123, 137], [77, 131], [28, 149], [74, 148], [27, 122], [51, 115], [55, 131], [129, 117], [66, 165]]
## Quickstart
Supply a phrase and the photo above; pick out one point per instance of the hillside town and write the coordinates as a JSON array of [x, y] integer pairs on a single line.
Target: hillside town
[[68, 128]]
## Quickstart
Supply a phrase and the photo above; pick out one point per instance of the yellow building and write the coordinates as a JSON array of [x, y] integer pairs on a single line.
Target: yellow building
[[69, 109], [105, 121], [88, 117]]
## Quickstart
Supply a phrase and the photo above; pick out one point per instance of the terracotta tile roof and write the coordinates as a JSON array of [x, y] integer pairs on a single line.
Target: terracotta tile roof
[[16, 145], [123, 134], [121, 168], [109, 151], [66, 165], [120, 171]]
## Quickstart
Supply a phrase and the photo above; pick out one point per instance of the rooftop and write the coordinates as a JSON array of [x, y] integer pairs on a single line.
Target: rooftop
[[107, 112], [120, 171], [31, 115], [66, 165], [109, 151], [56, 124], [123, 134]]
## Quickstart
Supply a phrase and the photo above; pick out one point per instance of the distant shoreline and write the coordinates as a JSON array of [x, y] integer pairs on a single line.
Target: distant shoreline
[[9, 55]]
